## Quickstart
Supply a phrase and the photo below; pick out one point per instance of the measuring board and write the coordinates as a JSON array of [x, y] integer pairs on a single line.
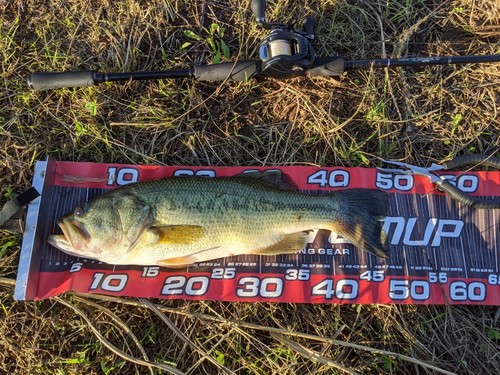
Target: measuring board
[[440, 252]]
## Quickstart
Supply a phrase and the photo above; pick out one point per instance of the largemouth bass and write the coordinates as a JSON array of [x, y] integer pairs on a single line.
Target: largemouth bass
[[178, 221]]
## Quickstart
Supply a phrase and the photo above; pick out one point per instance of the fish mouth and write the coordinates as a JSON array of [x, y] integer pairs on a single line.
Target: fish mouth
[[74, 238]]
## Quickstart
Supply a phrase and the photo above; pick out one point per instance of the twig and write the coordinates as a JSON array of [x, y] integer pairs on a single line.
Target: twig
[[230, 322], [181, 335], [113, 348], [120, 323], [308, 353], [242, 324]]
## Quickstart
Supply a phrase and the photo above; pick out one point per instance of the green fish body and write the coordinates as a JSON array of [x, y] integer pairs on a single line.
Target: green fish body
[[179, 221]]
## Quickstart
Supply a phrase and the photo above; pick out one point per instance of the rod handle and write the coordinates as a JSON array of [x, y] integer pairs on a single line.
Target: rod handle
[[327, 67], [468, 200], [49, 81], [473, 159], [232, 71]]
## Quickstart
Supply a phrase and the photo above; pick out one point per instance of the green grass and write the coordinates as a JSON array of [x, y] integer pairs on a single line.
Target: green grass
[[421, 115]]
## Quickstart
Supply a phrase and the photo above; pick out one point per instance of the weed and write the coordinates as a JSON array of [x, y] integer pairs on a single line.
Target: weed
[[419, 115], [214, 40]]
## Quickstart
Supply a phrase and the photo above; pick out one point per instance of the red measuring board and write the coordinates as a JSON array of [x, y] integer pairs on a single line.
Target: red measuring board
[[440, 252]]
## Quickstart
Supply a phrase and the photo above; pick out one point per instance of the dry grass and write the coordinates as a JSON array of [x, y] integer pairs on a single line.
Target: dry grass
[[420, 115]]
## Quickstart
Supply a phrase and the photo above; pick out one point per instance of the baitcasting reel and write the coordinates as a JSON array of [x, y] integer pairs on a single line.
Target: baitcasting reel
[[285, 52]]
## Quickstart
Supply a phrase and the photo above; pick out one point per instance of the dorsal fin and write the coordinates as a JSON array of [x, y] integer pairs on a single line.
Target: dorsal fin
[[274, 177]]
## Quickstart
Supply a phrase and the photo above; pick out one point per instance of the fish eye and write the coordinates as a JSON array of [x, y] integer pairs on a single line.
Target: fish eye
[[80, 210]]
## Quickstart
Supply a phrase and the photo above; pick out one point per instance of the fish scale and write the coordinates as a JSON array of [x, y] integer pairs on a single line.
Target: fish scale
[[182, 220]]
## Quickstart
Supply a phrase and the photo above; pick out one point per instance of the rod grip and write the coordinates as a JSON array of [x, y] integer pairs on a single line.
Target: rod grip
[[473, 159], [468, 200], [327, 67], [50, 81], [233, 71]]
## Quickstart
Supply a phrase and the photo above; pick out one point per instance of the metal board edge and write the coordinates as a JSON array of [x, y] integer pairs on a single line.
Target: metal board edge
[[29, 260]]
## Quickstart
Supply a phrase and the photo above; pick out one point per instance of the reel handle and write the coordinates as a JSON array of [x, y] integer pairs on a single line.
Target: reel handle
[[309, 26], [259, 10]]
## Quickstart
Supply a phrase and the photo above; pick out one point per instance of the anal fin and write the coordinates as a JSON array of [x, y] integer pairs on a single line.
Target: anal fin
[[289, 243]]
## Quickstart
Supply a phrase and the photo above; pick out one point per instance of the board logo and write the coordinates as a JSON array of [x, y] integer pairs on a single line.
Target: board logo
[[402, 231], [415, 232]]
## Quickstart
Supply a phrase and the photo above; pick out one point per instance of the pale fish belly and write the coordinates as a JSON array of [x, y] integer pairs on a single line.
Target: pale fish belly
[[233, 224]]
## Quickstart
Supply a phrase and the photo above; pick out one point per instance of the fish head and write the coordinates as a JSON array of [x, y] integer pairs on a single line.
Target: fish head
[[106, 228]]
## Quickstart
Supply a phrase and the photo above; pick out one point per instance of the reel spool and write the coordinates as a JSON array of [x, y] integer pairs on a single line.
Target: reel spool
[[285, 54]]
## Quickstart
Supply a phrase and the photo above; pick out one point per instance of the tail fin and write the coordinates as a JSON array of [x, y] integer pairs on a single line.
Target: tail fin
[[360, 218]]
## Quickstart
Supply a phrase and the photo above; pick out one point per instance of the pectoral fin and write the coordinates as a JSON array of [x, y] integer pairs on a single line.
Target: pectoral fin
[[177, 234], [289, 243], [180, 262]]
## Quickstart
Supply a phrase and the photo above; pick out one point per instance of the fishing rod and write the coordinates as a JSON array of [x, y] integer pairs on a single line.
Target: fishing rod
[[284, 53]]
